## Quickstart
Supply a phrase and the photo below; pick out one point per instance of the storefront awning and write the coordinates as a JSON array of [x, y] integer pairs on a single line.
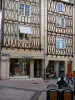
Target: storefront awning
[[25, 30]]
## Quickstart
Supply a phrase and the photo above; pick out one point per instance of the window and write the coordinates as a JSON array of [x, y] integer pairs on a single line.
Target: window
[[60, 43], [24, 10], [21, 9], [24, 33], [27, 9], [0, 19], [60, 7], [60, 21], [23, 36]]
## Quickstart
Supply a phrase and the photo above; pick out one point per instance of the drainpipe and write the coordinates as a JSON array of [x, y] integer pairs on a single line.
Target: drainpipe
[[44, 44]]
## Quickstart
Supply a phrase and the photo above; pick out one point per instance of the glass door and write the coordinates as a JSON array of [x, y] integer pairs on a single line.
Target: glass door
[[61, 68], [38, 68]]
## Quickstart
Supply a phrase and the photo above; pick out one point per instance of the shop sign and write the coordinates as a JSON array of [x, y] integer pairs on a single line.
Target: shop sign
[[4, 54]]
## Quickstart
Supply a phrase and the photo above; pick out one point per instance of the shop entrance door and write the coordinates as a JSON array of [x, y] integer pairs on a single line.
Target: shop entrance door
[[50, 69], [61, 68], [37, 68], [69, 67]]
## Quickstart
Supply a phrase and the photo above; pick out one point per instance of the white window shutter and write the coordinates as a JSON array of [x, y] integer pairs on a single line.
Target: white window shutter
[[58, 22], [30, 10], [24, 10]]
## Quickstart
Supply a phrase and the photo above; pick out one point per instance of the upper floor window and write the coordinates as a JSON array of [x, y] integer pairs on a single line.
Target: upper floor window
[[60, 43], [23, 36], [60, 21], [60, 7], [24, 33], [24, 9]]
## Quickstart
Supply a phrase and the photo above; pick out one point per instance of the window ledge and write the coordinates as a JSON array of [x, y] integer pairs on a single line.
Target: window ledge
[[24, 40]]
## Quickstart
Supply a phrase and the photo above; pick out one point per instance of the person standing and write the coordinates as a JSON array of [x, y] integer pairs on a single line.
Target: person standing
[[69, 77], [61, 83]]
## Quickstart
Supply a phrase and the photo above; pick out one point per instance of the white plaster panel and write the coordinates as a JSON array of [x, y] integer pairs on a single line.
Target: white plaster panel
[[3, 69], [31, 68]]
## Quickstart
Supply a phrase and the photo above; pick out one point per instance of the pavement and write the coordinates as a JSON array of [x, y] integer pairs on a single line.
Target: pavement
[[24, 89]]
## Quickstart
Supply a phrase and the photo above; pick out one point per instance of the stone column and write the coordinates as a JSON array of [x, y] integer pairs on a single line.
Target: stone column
[[5, 63], [56, 68], [73, 64], [8, 69], [31, 68]]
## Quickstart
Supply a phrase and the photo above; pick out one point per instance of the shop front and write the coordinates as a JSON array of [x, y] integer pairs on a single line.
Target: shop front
[[55, 69], [19, 67], [25, 68]]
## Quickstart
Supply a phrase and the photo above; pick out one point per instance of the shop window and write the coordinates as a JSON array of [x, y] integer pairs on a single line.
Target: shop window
[[19, 67]]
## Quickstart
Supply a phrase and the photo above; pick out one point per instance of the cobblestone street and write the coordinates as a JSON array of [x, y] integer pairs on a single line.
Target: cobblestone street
[[24, 89]]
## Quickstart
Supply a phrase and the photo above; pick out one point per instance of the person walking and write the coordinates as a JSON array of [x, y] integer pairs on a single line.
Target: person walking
[[73, 77]]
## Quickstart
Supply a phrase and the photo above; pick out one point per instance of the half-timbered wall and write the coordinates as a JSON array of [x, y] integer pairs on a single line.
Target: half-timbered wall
[[12, 19], [53, 31]]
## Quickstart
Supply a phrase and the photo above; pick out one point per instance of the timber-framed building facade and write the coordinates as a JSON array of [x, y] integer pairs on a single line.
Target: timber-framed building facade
[[36, 38]]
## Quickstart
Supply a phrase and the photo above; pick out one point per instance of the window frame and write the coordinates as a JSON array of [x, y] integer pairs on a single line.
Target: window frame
[[30, 9], [59, 20], [64, 39], [24, 39], [59, 6], [30, 35]]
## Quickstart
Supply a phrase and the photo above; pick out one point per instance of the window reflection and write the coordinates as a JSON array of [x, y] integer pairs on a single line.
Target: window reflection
[[19, 67]]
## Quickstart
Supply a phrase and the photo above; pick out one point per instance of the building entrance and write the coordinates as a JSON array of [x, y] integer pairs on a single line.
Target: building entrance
[[37, 68], [61, 68], [50, 69], [19, 67], [55, 69]]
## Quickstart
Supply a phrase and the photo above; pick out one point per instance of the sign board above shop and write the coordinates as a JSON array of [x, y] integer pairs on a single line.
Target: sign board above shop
[[4, 54]]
